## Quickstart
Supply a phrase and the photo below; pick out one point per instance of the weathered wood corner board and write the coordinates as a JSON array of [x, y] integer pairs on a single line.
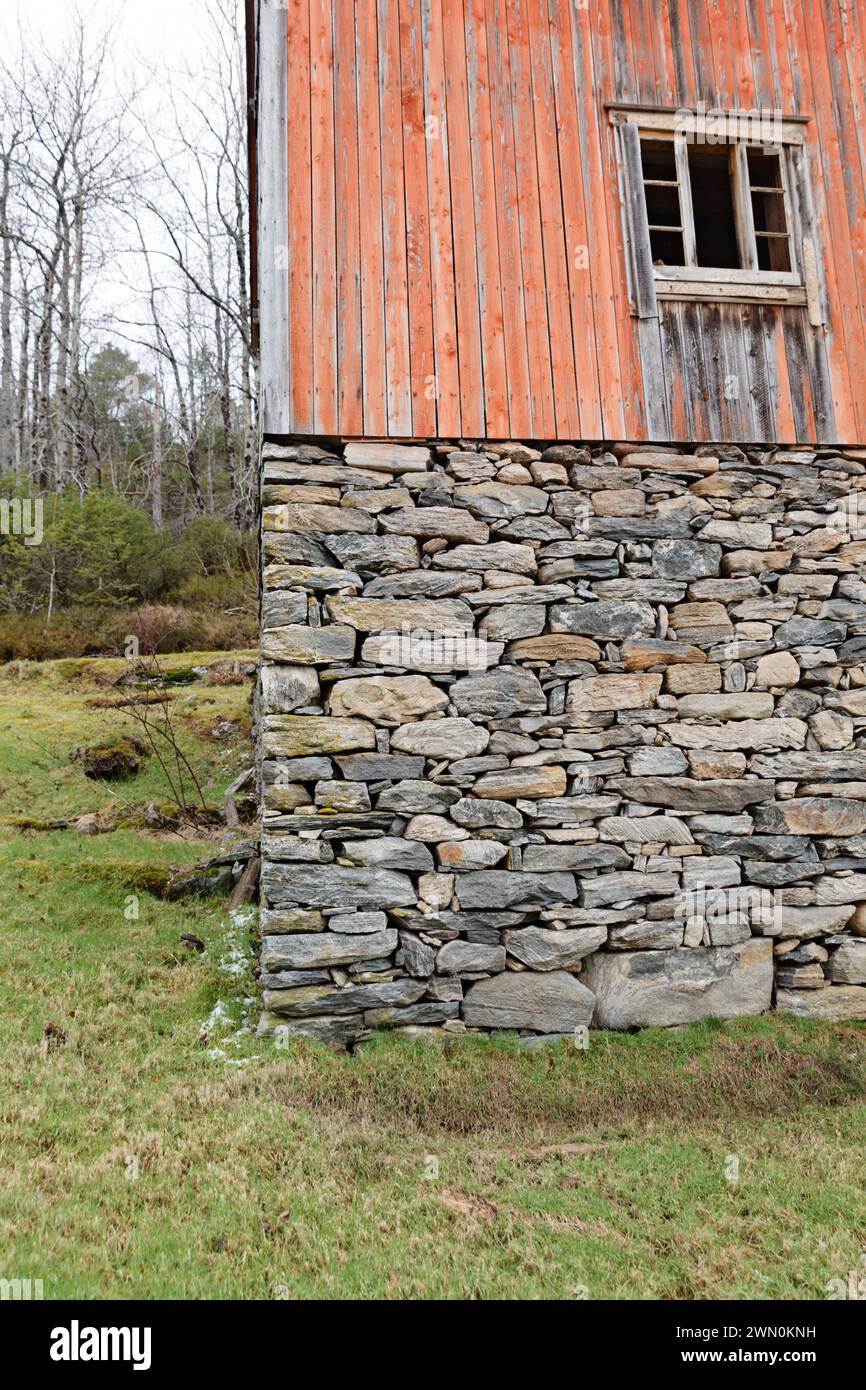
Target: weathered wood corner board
[[541, 219]]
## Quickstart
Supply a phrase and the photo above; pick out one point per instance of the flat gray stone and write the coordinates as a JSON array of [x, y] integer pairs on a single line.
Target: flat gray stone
[[329, 885], [687, 560], [613, 620], [358, 923], [577, 858], [412, 798], [300, 1003], [499, 694], [476, 813], [323, 949], [553, 1002], [286, 688], [835, 1004], [847, 964], [623, 887], [687, 794], [469, 958], [390, 852], [542, 948], [380, 767], [638, 989], [646, 935], [441, 738], [492, 888]]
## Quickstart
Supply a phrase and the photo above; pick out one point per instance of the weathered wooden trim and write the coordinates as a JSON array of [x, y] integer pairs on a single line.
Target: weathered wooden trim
[[687, 212], [743, 214], [714, 275], [786, 130], [273, 184], [637, 225], [669, 288], [810, 275]]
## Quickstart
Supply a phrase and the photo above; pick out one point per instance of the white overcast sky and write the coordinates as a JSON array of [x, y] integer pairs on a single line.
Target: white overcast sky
[[151, 38], [165, 32]]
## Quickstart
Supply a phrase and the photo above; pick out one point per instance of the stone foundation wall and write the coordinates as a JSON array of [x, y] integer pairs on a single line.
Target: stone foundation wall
[[561, 738]]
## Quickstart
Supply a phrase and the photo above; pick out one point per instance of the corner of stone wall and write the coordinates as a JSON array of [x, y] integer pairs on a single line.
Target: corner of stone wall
[[560, 737]]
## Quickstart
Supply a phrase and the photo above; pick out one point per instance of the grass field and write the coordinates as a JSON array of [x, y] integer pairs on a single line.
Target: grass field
[[151, 1147]]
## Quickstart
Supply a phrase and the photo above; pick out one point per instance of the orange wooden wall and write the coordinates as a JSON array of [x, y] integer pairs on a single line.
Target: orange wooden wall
[[455, 261]]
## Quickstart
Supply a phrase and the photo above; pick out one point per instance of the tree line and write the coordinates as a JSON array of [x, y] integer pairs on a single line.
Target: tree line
[[126, 360]]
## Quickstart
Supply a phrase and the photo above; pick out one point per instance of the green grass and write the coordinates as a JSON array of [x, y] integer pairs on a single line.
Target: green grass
[[162, 1151]]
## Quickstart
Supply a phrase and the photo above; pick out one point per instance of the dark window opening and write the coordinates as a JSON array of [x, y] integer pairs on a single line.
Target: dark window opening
[[768, 211], [718, 206], [713, 204], [661, 189]]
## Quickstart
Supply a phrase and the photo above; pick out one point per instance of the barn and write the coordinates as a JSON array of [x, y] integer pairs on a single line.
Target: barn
[[561, 311]]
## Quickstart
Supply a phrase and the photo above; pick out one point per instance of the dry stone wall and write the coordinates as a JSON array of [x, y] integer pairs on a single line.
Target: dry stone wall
[[563, 737]]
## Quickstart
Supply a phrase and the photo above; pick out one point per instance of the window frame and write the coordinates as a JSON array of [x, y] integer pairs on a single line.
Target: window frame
[[691, 281]]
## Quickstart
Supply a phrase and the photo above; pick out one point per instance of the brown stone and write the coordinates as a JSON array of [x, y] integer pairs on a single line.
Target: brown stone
[[613, 692]]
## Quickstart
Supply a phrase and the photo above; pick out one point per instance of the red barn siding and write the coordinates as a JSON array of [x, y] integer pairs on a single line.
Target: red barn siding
[[455, 254]]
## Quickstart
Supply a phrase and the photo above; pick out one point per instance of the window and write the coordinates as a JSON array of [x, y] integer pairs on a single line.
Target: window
[[713, 209]]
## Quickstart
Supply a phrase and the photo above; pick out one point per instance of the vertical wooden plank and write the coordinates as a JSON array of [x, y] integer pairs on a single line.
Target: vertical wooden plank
[[397, 369], [845, 336], [751, 329], [606, 345], [643, 275], [324, 221], [629, 402], [798, 374], [793, 87], [300, 220], [843, 51], [447, 384], [422, 360], [720, 40], [764, 57], [508, 225], [742, 64], [738, 379], [486, 229], [666, 57], [743, 212], [576, 234], [678, 371], [463, 219], [273, 194], [784, 424], [699, 381], [708, 82], [684, 193], [370, 193], [529, 219], [640, 31], [552, 227], [623, 65], [656, 392], [713, 363], [349, 353], [681, 50]]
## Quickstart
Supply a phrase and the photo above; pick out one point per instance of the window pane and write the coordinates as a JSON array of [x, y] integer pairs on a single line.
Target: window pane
[[662, 201], [768, 210], [713, 202]]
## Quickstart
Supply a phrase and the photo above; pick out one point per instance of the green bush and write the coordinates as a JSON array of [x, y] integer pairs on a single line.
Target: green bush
[[104, 572], [76, 632]]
